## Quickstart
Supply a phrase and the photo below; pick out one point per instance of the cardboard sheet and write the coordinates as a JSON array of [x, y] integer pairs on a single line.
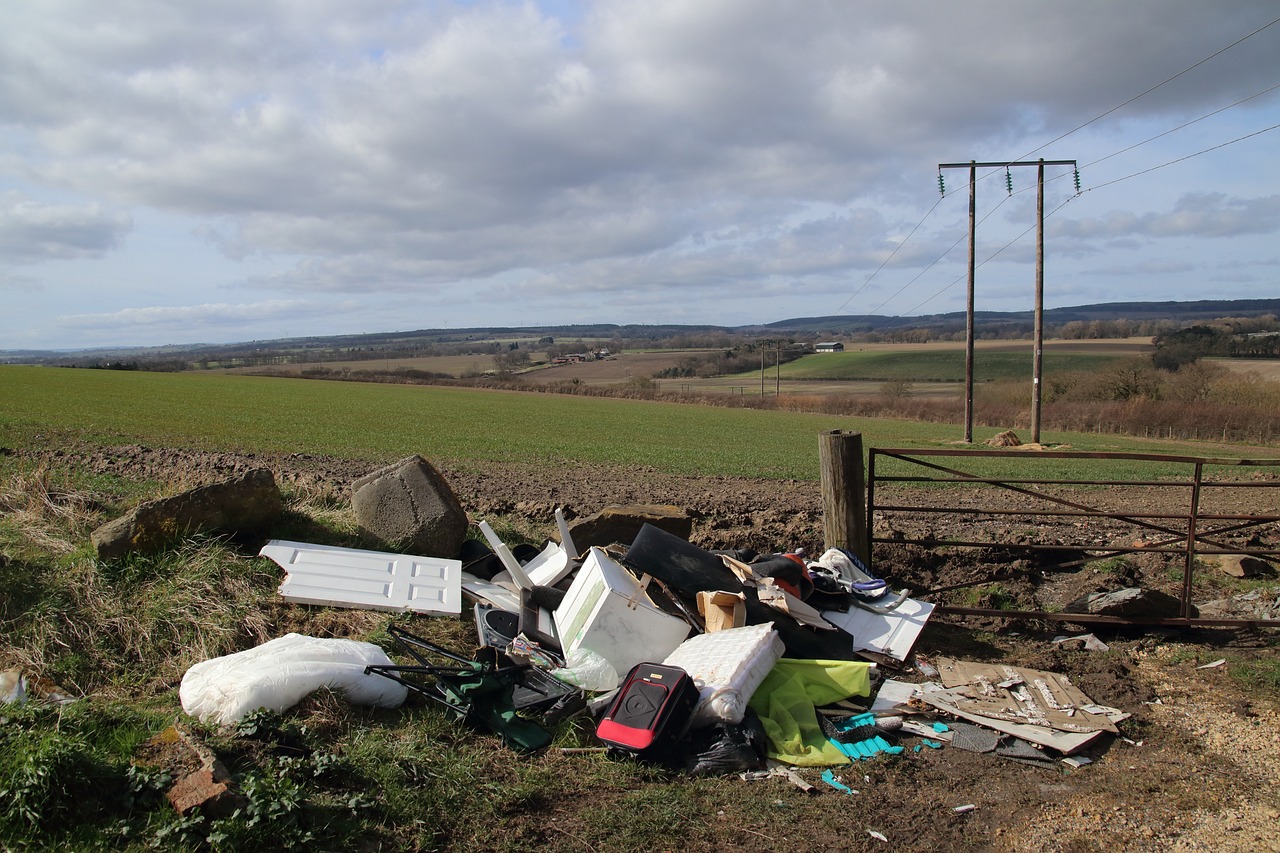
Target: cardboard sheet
[[954, 701], [1021, 695]]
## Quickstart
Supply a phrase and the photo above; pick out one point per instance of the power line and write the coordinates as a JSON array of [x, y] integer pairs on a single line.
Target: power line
[[994, 254], [1162, 134], [1107, 157], [1099, 186], [990, 257], [892, 254], [1188, 157], [1184, 125], [1152, 89], [936, 261], [1148, 91]]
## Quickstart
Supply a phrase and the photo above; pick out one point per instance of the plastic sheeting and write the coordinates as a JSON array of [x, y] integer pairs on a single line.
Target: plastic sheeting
[[279, 673], [787, 699]]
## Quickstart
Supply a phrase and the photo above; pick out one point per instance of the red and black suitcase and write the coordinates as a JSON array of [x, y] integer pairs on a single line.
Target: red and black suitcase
[[652, 710]]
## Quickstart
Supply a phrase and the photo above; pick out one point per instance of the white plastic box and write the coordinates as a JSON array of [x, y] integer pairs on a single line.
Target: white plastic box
[[607, 612]]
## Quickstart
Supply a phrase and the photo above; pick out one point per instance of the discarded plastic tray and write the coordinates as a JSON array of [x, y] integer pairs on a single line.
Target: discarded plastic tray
[[538, 691]]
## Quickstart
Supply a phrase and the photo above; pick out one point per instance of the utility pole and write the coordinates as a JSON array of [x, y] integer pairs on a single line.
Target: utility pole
[[968, 310], [1037, 357], [1038, 344], [764, 344], [777, 369]]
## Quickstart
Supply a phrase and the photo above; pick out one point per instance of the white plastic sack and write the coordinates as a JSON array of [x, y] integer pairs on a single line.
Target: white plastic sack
[[279, 673], [727, 666]]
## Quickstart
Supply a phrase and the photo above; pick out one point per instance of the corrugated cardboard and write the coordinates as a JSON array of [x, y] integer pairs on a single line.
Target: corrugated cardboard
[[721, 610]]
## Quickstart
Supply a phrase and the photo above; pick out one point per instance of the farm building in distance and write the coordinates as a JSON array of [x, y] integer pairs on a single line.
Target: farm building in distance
[[829, 346]]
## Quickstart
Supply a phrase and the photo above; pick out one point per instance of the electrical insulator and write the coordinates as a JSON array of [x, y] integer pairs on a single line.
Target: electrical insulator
[[942, 187], [1077, 180], [1008, 181]]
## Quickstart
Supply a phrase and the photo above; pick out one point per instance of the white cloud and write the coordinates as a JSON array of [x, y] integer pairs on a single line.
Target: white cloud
[[397, 147], [217, 316], [32, 231], [1193, 215]]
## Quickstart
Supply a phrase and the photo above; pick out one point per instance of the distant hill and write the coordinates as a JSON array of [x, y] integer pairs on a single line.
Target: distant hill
[[1179, 312], [987, 322]]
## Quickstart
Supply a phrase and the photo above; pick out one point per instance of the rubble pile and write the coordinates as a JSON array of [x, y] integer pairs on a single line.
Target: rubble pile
[[710, 663], [705, 662]]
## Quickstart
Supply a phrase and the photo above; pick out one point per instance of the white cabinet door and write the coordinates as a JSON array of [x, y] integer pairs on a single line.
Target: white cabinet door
[[373, 580]]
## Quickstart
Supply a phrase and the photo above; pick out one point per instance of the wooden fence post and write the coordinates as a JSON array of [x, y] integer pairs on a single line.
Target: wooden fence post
[[844, 511]]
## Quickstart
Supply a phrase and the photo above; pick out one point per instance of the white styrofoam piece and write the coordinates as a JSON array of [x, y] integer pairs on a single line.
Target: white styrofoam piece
[[892, 633], [607, 612], [727, 666], [372, 580]]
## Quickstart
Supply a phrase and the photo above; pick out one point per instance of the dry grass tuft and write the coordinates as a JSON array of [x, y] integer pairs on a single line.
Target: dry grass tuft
[[48, 517], [323, 503]]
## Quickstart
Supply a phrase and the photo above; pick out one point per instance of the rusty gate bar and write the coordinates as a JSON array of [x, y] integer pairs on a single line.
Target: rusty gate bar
[[1191, 539], [1199, 532]]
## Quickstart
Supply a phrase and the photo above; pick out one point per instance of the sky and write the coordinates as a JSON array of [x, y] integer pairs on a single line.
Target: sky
[[236, 170]]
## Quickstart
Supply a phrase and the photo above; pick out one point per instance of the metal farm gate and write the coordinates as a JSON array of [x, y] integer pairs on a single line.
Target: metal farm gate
[[1183, 506]]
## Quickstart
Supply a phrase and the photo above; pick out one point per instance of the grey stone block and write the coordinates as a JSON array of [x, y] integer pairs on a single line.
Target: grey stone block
[[1132, 602], [410, 507]]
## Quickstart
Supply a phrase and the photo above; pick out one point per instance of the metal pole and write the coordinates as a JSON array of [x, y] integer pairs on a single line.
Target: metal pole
[[1192, 534], [1037, 360], [968, 315]]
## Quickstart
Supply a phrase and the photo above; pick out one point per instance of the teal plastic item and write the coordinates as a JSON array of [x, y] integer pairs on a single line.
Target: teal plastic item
[[865, 749], [829, 777]]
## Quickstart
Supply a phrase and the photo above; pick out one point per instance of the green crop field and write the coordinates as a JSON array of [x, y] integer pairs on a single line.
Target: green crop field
[[935, 365], [372, 421], [328, 775], [454, 426]]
